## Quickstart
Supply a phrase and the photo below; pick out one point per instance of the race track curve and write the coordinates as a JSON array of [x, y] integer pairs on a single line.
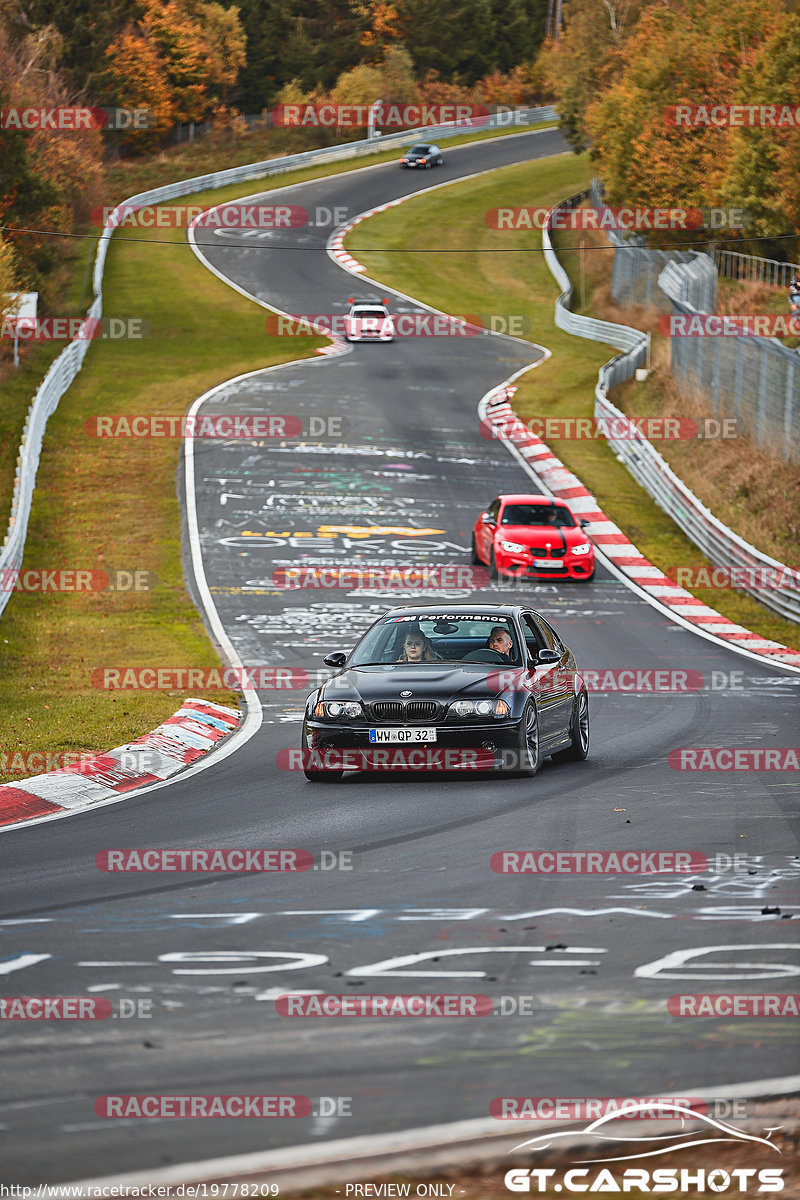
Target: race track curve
[[212, 952]]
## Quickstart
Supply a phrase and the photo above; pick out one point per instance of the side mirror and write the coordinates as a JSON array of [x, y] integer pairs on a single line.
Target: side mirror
[[548, 656], [335, 659], [583, 522]]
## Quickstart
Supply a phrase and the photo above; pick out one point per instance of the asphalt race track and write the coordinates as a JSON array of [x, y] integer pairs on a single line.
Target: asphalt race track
[[400, 482]]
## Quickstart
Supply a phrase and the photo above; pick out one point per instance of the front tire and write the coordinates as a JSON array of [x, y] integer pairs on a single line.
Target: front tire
[[493, 571], [578, 749], [529, 750], [476, 562]]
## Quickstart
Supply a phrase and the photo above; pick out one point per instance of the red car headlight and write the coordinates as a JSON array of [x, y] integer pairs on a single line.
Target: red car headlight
[[583, 548]]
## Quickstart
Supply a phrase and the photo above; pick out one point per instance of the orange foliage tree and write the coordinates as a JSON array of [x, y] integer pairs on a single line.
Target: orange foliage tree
[[690, 52], [179, 60]]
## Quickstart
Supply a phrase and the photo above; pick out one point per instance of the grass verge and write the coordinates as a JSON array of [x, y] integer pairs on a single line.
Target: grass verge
[[457, 264]]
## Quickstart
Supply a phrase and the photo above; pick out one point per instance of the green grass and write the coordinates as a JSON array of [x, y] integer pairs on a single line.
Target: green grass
[[439, 249], [112, 503]]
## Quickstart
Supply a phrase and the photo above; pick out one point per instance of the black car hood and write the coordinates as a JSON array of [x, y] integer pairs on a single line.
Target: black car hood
[[434, 681]]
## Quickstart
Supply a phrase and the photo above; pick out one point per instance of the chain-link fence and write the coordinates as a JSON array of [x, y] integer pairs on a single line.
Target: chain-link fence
[[636, 268], [756, 380]]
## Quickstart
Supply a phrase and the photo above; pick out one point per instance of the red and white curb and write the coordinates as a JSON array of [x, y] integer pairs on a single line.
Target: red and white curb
[[500, 419], [195, 728]]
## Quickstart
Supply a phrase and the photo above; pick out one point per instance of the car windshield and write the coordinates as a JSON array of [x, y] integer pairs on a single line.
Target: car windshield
[[419, 150], [379, 313], [537, 514], [424, 638]]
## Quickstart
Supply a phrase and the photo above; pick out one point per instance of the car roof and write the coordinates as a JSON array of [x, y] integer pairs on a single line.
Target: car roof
[[504, 610], [526, 498]]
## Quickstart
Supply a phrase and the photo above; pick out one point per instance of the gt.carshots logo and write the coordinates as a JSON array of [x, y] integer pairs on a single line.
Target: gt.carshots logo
[[384, 114], [684, 1181]]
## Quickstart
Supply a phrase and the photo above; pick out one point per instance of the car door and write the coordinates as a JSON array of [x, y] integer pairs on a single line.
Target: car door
[[544, 688], [562, 677]]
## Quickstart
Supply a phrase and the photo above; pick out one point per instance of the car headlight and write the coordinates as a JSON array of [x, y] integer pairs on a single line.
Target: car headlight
[[480, 708], [513, 547], [337, 709], [583, 548]]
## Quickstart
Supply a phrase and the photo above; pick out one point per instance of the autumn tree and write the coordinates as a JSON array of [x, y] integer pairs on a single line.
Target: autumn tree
[[48, 180], [179, 59], [764, 172], [691, 52], [579, 64], [384, 25]]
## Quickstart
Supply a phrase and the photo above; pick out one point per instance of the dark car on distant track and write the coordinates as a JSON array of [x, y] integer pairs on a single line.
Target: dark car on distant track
[[425, 154], [507, 710]]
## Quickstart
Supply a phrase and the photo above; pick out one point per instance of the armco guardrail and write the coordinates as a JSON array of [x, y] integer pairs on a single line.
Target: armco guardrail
[[720, 544], [64, 368], [749, 268]]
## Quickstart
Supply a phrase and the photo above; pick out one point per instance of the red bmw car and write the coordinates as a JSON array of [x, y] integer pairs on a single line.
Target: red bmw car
[[532, 537]]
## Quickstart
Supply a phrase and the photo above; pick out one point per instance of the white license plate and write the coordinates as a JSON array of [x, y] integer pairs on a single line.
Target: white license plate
[[546, 562], [402, 735]]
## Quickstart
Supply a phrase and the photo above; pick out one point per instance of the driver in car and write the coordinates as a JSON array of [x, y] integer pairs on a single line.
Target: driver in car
[[501, 641]]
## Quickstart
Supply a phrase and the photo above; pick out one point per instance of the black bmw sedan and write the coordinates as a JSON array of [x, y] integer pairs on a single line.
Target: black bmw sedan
[[448, 687], [423, 155]]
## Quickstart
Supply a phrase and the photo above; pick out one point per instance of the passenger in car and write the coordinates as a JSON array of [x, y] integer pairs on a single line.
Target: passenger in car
[[418, 648]]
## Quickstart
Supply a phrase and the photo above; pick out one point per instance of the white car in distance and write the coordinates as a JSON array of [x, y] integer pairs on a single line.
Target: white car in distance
[[369, 321]]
